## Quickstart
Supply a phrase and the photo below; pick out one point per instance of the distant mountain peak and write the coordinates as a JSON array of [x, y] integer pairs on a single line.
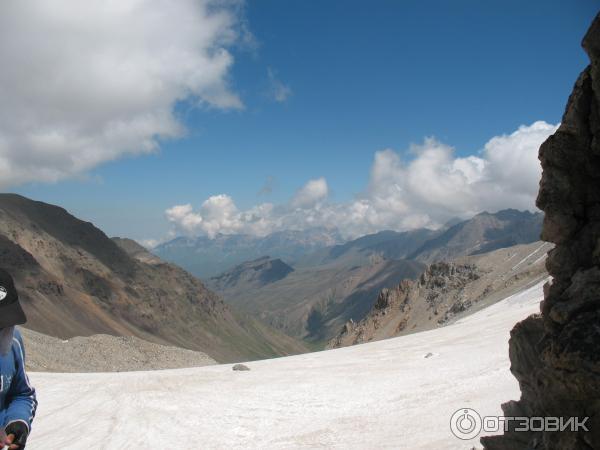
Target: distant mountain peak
[[253, 274]]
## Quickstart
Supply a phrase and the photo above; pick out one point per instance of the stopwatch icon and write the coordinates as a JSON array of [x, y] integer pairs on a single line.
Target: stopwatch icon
[[465, 423]]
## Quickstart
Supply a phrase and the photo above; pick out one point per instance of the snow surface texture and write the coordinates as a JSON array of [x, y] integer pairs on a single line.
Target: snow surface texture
[[380, 395]]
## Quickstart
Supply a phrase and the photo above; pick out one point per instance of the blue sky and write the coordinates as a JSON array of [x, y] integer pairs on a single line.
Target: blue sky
[[360, 77]]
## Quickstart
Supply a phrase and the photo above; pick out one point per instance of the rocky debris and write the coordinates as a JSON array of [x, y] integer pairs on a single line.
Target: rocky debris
[[240, 368], [443, 277], [104, 353], [555, 355]]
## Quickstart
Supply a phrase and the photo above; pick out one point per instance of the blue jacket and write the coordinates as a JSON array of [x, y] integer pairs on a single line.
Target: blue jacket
[[17, 398]]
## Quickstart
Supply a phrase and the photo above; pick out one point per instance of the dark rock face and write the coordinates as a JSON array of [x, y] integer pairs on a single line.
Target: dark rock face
[[556, 355]]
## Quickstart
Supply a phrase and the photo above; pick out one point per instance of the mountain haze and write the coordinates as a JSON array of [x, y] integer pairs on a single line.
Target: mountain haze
[[206, 257]]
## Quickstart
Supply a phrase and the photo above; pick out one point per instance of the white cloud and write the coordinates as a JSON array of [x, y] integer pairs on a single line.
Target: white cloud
[[435, 185], [277, 90], [219, 214], [87, 82], [513, 166], [426, 190], [311, 194], [184, 217]]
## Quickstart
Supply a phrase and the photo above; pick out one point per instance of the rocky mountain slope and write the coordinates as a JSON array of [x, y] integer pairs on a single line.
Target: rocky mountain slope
[[206, 257], [136, 251], [363, 250], [75, 281], [447, 291], [555, 355], [483, 233], [105, 353], [311, 303]]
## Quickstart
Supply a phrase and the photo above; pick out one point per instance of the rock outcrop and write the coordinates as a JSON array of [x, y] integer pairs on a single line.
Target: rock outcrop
[[447, 291], [556, 355], [411, 306]]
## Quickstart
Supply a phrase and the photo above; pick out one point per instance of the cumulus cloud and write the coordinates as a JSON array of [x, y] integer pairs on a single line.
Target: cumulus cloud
[[426, 189], [435, 185], [184, 216], [278, 91], [219, 214], [312, 193], [87, 82]]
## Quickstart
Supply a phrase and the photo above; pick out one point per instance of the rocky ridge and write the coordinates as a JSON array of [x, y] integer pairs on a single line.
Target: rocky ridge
[[555, 355]]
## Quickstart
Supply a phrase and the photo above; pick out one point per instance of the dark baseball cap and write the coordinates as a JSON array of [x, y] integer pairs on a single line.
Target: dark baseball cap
[[11, 312]]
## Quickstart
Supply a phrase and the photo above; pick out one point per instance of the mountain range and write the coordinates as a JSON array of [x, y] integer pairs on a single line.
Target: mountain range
[[316, 296], [482, 233], [206, 257]]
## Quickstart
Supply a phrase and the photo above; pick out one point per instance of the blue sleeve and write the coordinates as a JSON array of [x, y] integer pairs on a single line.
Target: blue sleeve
[[21, 398]]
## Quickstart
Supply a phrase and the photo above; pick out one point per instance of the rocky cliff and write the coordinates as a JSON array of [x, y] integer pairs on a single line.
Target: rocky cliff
[[556, 355]]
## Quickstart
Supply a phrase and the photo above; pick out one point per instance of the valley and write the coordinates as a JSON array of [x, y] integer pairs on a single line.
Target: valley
[[329, 291]]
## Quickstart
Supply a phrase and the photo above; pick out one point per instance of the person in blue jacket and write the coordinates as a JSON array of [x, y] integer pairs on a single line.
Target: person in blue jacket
[[17, 397]]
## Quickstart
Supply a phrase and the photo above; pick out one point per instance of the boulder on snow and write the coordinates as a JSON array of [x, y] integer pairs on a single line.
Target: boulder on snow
[[240, 367]]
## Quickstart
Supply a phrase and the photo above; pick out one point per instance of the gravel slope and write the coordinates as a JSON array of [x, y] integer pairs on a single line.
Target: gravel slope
[[104, 353]]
